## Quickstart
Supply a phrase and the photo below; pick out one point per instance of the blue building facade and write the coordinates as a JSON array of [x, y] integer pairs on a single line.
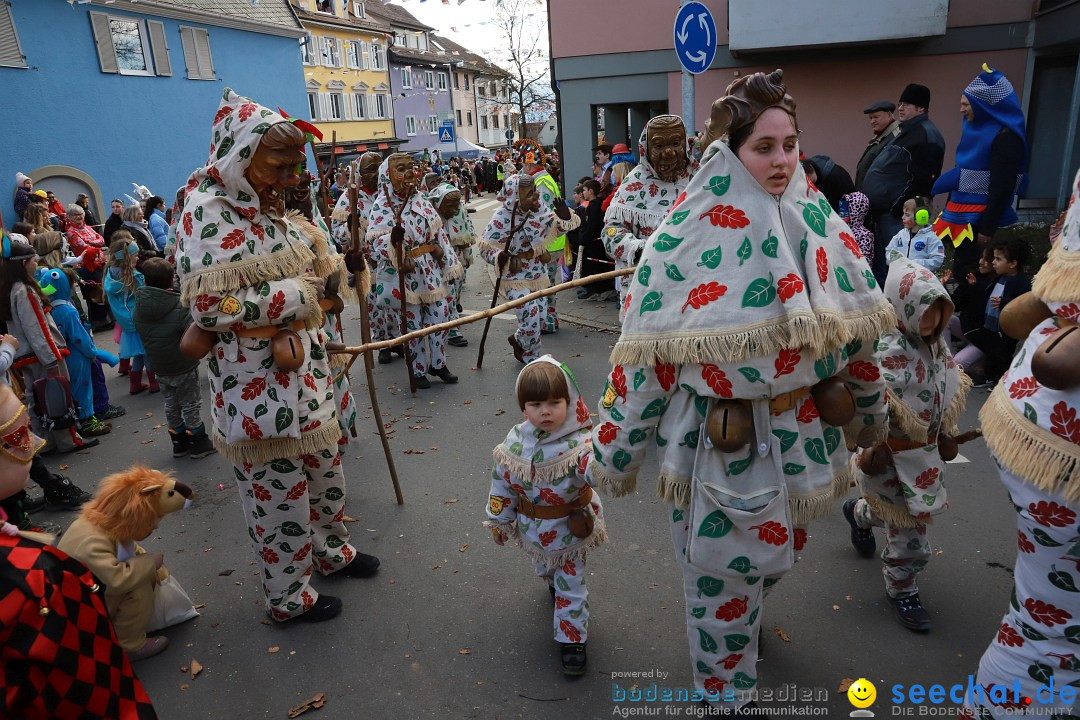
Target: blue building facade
[[106, 95], [420, 83]]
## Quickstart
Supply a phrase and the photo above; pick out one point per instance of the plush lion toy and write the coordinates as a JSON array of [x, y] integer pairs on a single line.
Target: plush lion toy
[[126, 508]]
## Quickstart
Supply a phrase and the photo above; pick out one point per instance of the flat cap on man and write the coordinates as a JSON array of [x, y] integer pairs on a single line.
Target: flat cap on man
[[880, 106]]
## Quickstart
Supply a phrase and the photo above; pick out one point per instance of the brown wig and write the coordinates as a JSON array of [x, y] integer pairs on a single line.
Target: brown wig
[[541, 381], [744, 101]]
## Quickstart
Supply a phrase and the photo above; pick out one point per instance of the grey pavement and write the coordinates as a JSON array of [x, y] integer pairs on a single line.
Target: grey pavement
[[456, 627]]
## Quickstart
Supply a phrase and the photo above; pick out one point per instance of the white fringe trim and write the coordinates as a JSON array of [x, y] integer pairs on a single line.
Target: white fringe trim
[[1059, 278], [264, 451], [642, 218], [552, 560], [545, 472], [289, 262]]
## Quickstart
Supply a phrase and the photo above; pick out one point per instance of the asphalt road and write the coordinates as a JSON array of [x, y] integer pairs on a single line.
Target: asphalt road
[[455, 627]]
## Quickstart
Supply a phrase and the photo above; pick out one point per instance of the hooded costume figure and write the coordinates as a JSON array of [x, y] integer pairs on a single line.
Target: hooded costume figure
[[457, 237], [55, 284], [854, 207], [537, 470], [991, 166], [426, 289], [927, 392], [1031, 427], [522, 235], [743, 303], [638, 207], [244, 273]]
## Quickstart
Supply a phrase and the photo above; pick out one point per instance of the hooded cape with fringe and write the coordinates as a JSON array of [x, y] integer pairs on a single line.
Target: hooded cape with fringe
[[529, 233]]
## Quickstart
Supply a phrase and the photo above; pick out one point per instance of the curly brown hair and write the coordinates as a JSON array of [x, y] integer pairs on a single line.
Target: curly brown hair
[[744, 100]]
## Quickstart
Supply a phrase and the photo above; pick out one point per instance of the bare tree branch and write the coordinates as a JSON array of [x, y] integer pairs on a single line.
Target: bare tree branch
[[524, 37]]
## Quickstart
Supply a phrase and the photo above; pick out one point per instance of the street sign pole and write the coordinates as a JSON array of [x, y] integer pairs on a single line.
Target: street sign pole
[[687, 93], [695, 46]]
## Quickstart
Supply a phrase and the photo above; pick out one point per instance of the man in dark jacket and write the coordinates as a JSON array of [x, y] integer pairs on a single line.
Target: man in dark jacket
[[904, 169], [885, 128]]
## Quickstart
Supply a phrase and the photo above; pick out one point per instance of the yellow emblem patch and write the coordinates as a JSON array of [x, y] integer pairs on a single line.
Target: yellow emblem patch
[[609, 396], [612, 232], [495, 504], [230, 305]]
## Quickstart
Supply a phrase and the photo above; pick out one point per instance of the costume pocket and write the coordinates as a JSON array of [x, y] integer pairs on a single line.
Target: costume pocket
[[258, 408], [744, 530]]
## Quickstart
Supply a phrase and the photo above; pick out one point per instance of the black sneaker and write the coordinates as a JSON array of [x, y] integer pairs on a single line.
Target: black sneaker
[[33, 504], [180, 443], [362, 566], [62, 494], [422, 382], [384, 356], [444, 374], [573, 658], [113, 412], [911, 613], [861, 539], [199, 445], [325, 608], [458, 341]]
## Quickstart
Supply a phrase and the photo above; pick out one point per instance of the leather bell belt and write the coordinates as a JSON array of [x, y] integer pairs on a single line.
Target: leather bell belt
[[552, 512], [788, 401], [421, 250], [899, 444], [268, 331]]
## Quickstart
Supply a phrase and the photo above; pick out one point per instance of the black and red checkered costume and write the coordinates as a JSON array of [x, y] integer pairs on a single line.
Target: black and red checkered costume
[[66, 663]]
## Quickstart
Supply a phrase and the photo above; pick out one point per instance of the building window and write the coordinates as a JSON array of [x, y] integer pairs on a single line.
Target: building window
[[442, 81], [434, 121], [358, 9], [506, 121], [410, 125], [376, 53], [360, 107], [11, 54], [324, 6], [313, 105], [406, 78], [429, 79], [457, 82], [124, 44], [336, 106], [354, 54], [466, 82], [468, 116], [495, 121], [331, 51], [196, 44], [483, 122], [400, 39], [458, 118], [308, 50], [382, 106]]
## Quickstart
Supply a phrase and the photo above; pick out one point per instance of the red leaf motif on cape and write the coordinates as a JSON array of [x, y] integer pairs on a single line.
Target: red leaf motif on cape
[[895, 362], [733, 609], [731, 661], [257, 231], [561, 602], [582, 410], [214, 174], [302, 553], [253, 389], [851, 244], [282, 379], [297, 491], [905, 284], [205, 302], [548, 537], [771, 532], [1024, 387], [247, 212], [222, 114], [1070, 312], [634, 187], [726, 216], [920, 371], [808, 411], [188, 223], [1050, 514], [1046, 614], [246, 109], [864, 370], [252, 428], [626, 304], [679, 200], [548, 496], [233, 240], [277, 305], [800, 538], [1063, 422], [785, 362], [618, 381], [716, 380], [607, 433], [822, 265], [653, 189], [927, 478], [665, 374], [788, 286], [261, 493], [704, 294], [572, 634], [309, 380], [1007, 635], [714, 686], [1022, 542], [569, 568]]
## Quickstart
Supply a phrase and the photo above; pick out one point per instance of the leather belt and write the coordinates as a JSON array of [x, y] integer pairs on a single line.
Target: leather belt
[[788, 401], [551, 512], [897, 444], [527, 255], [421, 250], [268, 331]]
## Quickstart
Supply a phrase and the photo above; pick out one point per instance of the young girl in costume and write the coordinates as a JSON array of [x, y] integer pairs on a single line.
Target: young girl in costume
[[540, 498], [121, 281], [903, 479]]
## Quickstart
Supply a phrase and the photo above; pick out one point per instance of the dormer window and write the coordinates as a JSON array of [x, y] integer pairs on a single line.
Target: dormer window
[[324, 6], [358, 9]]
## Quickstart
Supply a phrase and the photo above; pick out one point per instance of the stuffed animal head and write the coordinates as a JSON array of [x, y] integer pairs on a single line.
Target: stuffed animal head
[[129, 504], [54, 283]]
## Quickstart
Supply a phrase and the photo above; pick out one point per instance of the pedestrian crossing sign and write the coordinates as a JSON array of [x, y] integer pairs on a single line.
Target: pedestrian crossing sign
[[446, 134]]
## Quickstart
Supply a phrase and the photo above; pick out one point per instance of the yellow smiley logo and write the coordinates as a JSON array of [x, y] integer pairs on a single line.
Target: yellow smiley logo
[[862, 693]]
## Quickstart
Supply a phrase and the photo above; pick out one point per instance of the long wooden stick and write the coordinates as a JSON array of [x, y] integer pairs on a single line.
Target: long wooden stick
[[365, 337], [474, 317], [499, 270]]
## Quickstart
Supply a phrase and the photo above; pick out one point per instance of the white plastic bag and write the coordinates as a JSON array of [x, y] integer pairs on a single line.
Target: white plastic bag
[[172, 605]]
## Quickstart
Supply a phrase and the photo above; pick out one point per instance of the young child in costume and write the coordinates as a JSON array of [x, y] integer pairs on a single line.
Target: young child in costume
[[121, 282], [902, 480], [57, 287], [854, 207], [539, 496], [460, 233], [161, 320], [917, 241], [1030, 424]]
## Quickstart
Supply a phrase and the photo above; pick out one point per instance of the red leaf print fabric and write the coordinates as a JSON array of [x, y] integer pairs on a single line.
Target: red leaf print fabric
[[732, 609], [569, 568], [822, 265], [261, 493], [252, 428], [297, 491], [1007, 635], [205, 302], [233, 240], [1070, 312], [927, 478], [789, 286], [569, 631], [1050, 514], [582, 410], [188, 223], [1022, 542], [653, 189], [1063, 422], [269, 556], [726, 216], [282, 379], [851, 244], [634, 187], [714, 685], [277, 305], [800, 538], [561, 602], [785, 362], [716, 380], [808, 411], [771, 532], [731, 661], [254, 389], [548, 537], [665, 374], [1024, 387], [607, 433], [895, 362], [548, 496], [618, 381], [1046, 614], [864, 370], [222, 114], [704, 294], [246, 109], [905, 284]]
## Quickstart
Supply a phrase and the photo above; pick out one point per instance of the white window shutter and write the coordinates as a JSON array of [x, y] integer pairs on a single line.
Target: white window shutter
[[11, 54], [103, 39], [324, 106], [159, 47], [362, 53], [202, 52], [346, 107], [187, 42]]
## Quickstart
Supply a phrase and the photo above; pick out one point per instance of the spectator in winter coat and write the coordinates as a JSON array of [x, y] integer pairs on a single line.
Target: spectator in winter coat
[[885, 128], [23, 187], [831, 179], [114, 221], [83, 201], [155, 217]]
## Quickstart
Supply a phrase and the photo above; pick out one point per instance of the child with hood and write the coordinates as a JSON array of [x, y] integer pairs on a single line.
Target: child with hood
[[854, 207], [540, 498], [902, 478]]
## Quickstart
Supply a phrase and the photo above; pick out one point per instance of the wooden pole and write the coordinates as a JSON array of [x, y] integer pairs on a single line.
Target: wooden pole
[[482, 315], [365, 337]]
